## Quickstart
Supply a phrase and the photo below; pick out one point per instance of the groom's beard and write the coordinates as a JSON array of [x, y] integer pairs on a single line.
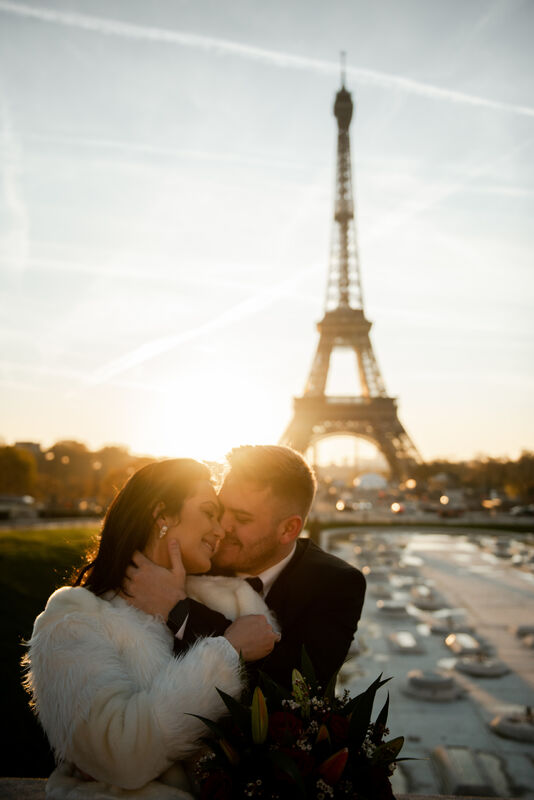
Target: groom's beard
[[251, 557]]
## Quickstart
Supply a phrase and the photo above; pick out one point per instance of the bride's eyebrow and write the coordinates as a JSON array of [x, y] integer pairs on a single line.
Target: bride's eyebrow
[[215, 506], [212, 504]]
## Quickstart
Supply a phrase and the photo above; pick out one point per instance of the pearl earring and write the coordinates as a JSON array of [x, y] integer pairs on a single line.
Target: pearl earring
[[163, 530]]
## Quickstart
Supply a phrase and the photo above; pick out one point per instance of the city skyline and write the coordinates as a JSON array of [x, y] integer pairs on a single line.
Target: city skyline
[[168, 198]]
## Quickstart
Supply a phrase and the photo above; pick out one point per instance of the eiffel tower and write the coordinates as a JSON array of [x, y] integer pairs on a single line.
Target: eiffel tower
[[371, 415]]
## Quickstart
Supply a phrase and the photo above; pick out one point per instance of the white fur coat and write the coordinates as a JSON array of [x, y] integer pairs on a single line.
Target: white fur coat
[[113, 699]]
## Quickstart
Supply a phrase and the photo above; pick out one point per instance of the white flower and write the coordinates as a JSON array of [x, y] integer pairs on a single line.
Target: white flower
[[325, 789]]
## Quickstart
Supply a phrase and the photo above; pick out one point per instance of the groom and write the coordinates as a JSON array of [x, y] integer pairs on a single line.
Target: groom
[[316, 597]]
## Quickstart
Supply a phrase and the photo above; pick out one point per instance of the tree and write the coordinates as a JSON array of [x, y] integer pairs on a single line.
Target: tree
[[18, 471]]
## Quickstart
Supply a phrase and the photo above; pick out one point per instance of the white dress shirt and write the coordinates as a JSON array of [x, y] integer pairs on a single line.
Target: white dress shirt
[[269, 575]]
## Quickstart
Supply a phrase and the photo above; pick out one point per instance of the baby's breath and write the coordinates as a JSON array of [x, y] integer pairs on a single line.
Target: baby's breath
[[324, 789]]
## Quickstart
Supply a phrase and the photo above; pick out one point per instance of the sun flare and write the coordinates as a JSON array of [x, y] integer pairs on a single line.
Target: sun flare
[[207, 422]]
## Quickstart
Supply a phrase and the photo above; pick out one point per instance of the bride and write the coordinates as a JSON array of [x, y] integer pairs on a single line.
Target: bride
[[115, 703]]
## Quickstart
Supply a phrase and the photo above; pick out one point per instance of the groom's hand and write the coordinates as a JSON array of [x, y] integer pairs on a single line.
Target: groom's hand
[[155, 589], [252, 636]]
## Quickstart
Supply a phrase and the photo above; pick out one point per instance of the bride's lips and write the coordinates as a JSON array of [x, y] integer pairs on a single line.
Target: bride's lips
[[212, 545]]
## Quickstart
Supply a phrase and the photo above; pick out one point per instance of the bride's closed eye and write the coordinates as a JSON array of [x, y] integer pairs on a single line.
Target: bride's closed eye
[[212, 511]]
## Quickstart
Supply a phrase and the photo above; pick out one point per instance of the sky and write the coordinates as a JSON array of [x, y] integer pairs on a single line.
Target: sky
[[166, 203]]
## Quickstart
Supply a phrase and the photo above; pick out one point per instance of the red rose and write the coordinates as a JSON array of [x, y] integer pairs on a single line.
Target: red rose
[[218, 786], [284, 727], [338, 727], [376, 782], [303, 762]]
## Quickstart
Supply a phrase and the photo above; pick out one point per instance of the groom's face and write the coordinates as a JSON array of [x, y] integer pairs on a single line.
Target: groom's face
[[250, 523]]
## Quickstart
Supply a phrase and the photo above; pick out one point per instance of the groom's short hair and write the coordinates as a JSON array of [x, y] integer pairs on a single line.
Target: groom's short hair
[[279, 468]]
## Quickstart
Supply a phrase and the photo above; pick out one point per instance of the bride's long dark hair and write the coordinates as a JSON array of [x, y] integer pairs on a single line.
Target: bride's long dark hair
[[129, 520]]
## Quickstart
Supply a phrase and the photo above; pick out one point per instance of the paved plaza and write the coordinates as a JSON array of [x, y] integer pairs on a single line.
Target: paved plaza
[[452, 737]]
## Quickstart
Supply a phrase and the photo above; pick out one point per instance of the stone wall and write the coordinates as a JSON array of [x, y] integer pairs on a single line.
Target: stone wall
[[34, 789]]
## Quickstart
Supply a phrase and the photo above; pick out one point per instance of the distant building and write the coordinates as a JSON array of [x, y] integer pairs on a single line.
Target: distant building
[[32, 447], [370, 480]]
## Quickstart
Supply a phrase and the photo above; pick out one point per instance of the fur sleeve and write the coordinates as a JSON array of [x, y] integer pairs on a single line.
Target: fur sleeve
[[97, 717], [233, 597]]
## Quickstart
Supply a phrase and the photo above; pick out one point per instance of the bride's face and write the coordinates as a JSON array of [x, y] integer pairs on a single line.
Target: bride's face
[[198, 528]]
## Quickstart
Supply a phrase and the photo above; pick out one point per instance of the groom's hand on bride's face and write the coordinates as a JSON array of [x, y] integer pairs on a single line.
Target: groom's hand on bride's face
[[154, 589]]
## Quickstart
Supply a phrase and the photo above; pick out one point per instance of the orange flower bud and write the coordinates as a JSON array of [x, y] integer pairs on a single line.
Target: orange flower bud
[[322, 734], [332, 769], [231, 754], [260, 717]]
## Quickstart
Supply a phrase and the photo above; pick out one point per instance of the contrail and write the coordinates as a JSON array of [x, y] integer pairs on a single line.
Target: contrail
[[157, 150], [217, 46], [428, 198], [104, 270], [42, 369], [150, 350]]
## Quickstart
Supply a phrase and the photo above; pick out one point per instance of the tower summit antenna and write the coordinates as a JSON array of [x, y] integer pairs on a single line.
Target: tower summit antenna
[[343, 59], [370, 414]]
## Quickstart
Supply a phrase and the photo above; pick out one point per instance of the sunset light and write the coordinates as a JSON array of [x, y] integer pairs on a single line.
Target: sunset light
[[305, 227], [164, 249]]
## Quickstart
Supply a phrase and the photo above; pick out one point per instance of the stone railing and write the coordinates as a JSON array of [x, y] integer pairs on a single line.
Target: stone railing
[[34, 789]]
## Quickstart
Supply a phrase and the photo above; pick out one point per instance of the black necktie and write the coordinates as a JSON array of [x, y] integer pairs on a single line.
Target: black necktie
[[256, 583]]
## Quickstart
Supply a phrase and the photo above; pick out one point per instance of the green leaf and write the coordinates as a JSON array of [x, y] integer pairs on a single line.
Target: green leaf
[[287, 765], [352, 704], [410, 758], [387, 752], [239, 713], [273, 691], [380, 723], [216, 729], [362, 708], [307, 668], [209, 741]]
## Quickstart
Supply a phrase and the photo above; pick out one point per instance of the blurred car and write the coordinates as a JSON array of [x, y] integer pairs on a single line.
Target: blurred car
[[522, 511], [361, 505], [451, 511], [17, 507]]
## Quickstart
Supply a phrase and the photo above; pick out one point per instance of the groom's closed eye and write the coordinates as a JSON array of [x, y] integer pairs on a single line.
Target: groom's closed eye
[[243, 518]]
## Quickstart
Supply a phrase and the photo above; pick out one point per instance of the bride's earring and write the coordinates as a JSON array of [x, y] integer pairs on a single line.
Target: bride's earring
[[163, 530]]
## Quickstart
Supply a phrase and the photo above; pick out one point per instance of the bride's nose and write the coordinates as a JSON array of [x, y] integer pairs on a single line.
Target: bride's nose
[[218, 530]]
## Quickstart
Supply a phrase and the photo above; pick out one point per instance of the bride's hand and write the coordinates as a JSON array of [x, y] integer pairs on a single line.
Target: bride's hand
[[252, 636], [154, 589]]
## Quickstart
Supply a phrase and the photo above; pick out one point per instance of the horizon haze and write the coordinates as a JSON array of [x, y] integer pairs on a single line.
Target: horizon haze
[[167, 202]]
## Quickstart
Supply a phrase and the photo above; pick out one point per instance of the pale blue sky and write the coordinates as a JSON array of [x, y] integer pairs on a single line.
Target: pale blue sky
[[166, 203]]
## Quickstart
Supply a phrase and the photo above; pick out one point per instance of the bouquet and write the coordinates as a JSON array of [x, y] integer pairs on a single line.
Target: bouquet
[[306, 743]]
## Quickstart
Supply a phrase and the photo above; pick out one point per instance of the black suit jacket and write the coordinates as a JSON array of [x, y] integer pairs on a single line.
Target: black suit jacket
[[317, 599]]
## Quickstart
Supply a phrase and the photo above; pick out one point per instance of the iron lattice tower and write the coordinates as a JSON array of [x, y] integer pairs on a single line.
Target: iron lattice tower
[[371, 415]]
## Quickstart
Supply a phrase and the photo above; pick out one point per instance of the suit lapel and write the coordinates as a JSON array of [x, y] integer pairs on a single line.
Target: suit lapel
[[276, 599]]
